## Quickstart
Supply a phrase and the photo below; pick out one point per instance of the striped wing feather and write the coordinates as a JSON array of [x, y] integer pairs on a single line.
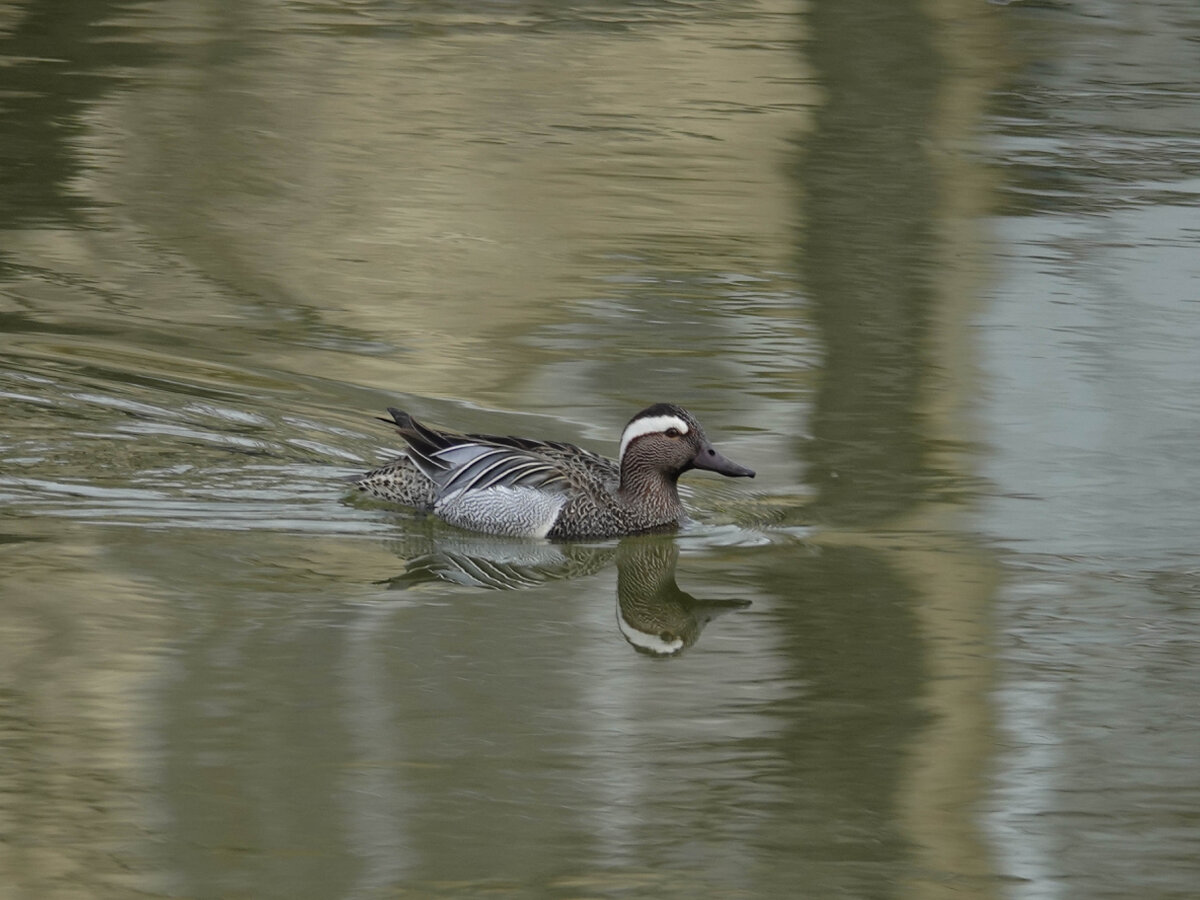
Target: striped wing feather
[[474, 462], [475, 466]]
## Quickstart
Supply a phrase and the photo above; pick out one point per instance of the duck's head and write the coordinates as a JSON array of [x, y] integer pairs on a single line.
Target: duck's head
[[667, 439]]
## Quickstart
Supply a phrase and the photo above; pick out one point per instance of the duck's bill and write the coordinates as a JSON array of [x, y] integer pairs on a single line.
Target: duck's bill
[[710, 459]]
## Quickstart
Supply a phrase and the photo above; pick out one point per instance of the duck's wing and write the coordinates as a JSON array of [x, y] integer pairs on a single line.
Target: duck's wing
[[476, 462], [475, 466], [568, 455]]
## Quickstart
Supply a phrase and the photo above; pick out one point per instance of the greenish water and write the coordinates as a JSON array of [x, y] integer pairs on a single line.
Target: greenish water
[[929, 269]]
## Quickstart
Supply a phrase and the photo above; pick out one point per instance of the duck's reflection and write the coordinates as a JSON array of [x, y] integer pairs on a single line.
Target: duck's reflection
[[653, 614]]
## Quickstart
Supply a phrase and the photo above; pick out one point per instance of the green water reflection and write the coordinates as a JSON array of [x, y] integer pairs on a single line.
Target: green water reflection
[[954, 611]]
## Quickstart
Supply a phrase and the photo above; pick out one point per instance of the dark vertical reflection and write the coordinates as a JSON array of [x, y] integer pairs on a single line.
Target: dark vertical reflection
[[855, 649], [868, 211], [58, 56], [869, 193]]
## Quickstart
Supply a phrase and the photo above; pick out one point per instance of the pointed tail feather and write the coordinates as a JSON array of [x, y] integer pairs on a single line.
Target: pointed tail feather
[[423, 442]]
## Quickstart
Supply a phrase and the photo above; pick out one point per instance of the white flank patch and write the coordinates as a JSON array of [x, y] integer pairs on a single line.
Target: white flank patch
[[512, 511], [650, 425]]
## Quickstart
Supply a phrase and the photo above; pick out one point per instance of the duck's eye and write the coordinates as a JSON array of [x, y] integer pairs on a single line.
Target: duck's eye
[[672, 432]]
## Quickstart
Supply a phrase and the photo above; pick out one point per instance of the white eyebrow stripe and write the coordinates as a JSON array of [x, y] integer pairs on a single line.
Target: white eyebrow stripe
[[650, 425]]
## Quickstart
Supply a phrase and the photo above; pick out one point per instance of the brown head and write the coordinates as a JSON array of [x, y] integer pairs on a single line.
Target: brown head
[[663, 441]]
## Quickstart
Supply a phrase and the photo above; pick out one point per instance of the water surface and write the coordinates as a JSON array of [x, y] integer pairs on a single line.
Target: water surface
[[928, 269]]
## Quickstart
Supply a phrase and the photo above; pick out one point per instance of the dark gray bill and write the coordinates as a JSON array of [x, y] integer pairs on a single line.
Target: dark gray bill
[[710, 459]]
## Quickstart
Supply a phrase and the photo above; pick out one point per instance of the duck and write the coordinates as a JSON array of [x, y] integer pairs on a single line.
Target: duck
[[523, 487]]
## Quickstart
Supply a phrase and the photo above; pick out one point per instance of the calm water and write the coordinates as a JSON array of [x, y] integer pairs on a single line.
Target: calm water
[[931, 269]]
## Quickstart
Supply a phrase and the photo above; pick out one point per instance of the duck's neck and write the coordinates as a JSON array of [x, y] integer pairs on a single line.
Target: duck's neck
[[651, 492]]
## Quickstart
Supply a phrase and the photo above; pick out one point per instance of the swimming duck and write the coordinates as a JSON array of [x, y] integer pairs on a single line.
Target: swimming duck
[[550, 489]]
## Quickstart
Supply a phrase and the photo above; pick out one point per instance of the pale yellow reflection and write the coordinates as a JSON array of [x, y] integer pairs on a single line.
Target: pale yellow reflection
[[441, 209], [77, 654]]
